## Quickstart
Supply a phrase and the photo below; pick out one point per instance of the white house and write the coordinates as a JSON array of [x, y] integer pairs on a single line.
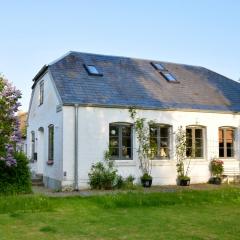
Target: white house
[[79, 107]]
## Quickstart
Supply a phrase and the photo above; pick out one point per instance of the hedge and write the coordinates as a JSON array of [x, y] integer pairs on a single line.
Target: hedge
[[15, 179]]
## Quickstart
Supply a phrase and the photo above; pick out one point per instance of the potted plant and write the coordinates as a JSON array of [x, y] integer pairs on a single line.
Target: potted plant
[[184, 180], [182, 166], [216, 168], [146, 180], [145, 150]]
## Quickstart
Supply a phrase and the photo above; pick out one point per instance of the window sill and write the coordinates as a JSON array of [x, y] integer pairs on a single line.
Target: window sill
[[124, 163], [50, 162], [229, 159], [197, 159], [163, 162]]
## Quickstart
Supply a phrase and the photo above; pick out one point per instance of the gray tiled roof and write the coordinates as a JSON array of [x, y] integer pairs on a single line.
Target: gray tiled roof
[[134, 82]]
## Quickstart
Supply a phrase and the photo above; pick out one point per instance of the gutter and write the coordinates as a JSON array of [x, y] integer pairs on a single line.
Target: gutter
[[235, 112], [39, 74], [76, 147]]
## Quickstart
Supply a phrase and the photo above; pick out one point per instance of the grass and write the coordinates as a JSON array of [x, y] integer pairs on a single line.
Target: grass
[[181, 215]]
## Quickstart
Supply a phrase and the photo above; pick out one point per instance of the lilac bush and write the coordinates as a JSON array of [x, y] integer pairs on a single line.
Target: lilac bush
[[9, 125]]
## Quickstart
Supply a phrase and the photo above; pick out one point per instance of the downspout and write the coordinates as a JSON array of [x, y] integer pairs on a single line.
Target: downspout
[[76, 147]]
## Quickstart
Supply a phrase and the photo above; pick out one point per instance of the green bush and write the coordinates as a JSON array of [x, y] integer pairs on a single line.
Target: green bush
[[102, 176], [125, 183], [216, 167], [15, 179]]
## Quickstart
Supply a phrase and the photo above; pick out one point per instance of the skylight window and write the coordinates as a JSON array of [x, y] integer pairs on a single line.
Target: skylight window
[[92, 70], [158, 66], [169, 77]]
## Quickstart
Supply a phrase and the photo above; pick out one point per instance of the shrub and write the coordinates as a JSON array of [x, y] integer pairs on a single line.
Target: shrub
[[124, 183], [216, 167], [146, 176], [128, 182], [102, 176], [15, 179], [119, 182]]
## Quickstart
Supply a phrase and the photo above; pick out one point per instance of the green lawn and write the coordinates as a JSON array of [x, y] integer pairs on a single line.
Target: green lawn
[[208, 214]]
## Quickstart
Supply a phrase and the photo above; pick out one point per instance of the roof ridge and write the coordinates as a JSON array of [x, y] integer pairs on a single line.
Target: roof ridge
[[210, 70], [134, 58]]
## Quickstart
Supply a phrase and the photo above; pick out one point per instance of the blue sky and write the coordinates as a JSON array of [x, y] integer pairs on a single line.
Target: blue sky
[[199, 32]]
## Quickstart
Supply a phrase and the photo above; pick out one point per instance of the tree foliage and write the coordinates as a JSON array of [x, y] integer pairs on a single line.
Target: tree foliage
[[9, 124]]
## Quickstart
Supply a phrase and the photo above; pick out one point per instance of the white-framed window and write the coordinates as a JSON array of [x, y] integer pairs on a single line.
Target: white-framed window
[[226, 138], [160, 135], [120, 141], [41, 92], [32, 145], [50, 144], [195, 141]]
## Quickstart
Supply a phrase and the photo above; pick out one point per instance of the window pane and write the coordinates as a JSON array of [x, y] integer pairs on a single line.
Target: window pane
[[189, 152], [164, 152], [163, 142], [114, 152], [229, 134], [158, 66], [154, 146], [221, 145], [198, 133], [189, 137], [169, 77], [164, 132], [113, 142], [229, 145], [113, 130], [50, 142], [126, 141], [92, 69], [230, 152], [153, 131], [188, 133], [198, 152], [198, 143], [126, 152], [41, 92], [221, 152], [220, 136], [126, 131]]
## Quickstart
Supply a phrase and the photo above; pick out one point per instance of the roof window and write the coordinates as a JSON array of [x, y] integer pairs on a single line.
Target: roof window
[[168, 76], [92, 70], [158, 66], [164, 72]]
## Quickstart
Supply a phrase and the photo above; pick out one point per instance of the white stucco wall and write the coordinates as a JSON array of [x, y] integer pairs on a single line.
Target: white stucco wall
[[42, 116], [68, 144], [94, 138]]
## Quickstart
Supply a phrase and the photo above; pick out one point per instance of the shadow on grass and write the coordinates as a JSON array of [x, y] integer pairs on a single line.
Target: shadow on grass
[[48, 229]]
